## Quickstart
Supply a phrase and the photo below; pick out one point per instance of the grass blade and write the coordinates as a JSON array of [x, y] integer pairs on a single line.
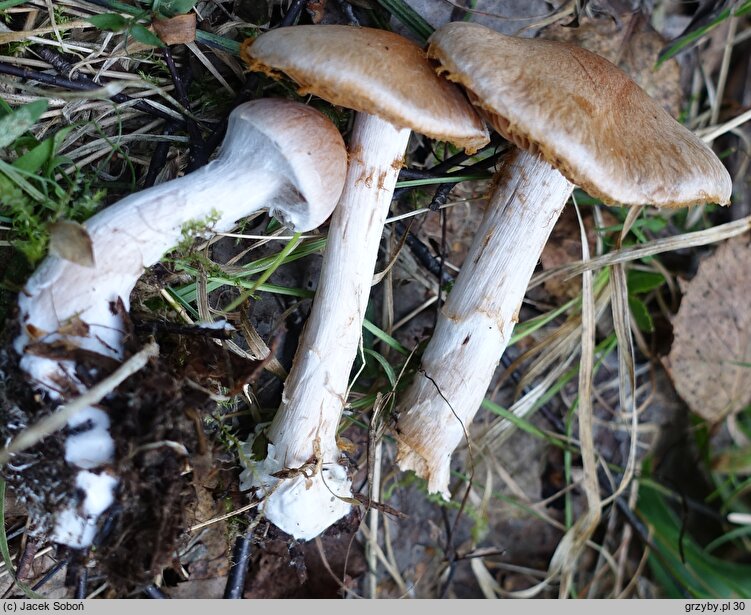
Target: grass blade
[[690, 38], [8, 4], [412, 20], [680, 563]]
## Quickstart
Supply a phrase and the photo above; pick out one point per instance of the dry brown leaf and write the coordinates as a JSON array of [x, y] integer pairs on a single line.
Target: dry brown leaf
[[70, 241], [710, 361], [177, 30], [512, 17]]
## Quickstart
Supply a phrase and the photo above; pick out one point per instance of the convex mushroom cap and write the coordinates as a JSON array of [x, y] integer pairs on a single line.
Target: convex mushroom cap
[[277, 154], [390, 83], [302, 146], [576, 119], [371, 71], [583, 115]]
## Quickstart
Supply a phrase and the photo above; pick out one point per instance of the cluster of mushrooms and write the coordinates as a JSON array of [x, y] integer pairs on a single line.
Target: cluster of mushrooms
[[574, 118]]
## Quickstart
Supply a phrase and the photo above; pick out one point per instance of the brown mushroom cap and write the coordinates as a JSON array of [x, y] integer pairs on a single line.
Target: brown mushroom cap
[[583, 115], [372, 71]]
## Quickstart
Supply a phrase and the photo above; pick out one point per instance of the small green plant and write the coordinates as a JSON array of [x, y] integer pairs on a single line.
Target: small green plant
[[136, 25], [196, 228], [33, 195], [640, 283]]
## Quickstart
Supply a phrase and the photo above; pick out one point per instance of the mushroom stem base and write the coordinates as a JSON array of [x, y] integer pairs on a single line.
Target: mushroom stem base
[[475, 324], [315, 391]]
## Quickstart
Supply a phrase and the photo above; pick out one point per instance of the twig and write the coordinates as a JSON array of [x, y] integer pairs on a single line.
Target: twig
[[153, 592], [51, 573], [82, 84], [58, 62], [442, 168], [82, 583], [197, 157], [239, 569], [441, 195], [292, 14], [423, 254], [159, 157]]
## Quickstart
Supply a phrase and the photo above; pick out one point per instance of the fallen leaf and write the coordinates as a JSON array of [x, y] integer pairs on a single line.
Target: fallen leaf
[[70, 240], [512, 17], [710, 360], [74, 327], [177, 30]]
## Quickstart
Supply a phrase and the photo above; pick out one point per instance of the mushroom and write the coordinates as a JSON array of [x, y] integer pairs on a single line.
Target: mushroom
[[388, 80], [575, 119], [277, 154]]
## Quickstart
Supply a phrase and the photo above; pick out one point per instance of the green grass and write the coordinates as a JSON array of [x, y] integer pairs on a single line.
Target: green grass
[[34, 193], [693, 37], [681, 566]]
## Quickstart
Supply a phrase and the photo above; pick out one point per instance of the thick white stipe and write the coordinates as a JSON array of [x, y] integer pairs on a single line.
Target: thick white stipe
[[478, 318]]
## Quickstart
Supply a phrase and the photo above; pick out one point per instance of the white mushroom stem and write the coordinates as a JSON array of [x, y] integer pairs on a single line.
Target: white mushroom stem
[[251, 173], [128, 237], [475, 324], [304, 428]]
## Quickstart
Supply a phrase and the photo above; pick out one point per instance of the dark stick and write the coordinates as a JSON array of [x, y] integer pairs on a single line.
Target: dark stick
[[239, 569], [159, 157], [51, 573], [450, 553], [441, 196], [454, 161], [153, 592], [407, 174], [150, 326], [437, 171], [442, 192], [424, 255], [58, 62], [197, 156], [441, 261], [82, 583], [82, 86], [15, 533], [292, 14]]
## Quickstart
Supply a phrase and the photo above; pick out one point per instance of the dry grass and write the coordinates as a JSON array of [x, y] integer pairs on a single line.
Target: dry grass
[[584, 385]]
